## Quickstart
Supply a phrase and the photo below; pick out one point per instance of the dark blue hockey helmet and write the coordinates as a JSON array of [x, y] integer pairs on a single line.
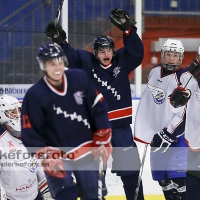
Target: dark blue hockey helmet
[[102, 42], [49, 52]]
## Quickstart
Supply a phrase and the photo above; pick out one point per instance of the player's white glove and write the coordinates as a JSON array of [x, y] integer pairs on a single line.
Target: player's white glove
[[44, 189], [161, 141]]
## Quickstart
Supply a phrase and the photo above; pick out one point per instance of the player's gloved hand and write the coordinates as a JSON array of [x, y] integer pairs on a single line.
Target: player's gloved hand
[[57, 34], [194, 69], [179, 97], [101, 144], [121, 19], [161, 141], [44, 189], [51, 161]]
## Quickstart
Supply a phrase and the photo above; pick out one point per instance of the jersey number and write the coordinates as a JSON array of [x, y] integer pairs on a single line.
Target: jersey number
[[26, 122]]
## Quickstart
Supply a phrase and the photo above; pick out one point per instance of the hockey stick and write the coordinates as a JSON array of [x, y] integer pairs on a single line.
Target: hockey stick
[[56, 20], [100, 181], [58, 12], [140, 174]]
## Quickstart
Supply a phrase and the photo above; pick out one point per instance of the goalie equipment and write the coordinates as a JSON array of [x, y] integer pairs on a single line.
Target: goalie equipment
[[10, 112], [44, 189], [55, 33], [49, 52], [179, 97], [173, 46], [161, 141], [121, 19], [51, 161], [102, 42], [194, 70]]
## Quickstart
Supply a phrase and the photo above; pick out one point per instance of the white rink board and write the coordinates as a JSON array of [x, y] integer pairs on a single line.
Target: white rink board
[[114, 184]]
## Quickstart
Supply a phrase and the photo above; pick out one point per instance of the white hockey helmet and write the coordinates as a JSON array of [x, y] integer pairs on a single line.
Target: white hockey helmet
[[173, 46], [7, 105]]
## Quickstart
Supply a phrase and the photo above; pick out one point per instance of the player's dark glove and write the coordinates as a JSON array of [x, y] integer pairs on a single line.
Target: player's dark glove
[[51, 161], [161, 141], [121, 19], [101, 144], [57, 34], [179, 97], [194, 69]]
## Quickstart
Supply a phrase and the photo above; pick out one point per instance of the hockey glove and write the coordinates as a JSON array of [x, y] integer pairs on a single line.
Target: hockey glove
[[161, 141], [101, 144], [44, 189], [179, 97], [51, 161], [57, 34], [121, 19], [194, 69]]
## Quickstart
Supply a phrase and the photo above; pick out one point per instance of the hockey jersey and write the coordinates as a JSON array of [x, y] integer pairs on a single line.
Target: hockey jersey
[[20, 173], [154, 111], [113, 81], [192, 128], [64, 119]]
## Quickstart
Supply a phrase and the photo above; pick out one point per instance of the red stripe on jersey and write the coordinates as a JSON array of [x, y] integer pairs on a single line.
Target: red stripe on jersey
[[79, 152], [138, 140], [122, 113], [42, 186], [194, 150]]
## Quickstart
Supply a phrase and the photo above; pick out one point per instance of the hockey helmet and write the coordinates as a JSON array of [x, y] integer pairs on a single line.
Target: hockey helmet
[[10, 112], [173, 46], [49, 52], [102, 42]]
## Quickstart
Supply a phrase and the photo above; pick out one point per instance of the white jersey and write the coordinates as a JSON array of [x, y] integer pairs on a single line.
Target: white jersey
[[20, 173], [154, 111], [192, 127]]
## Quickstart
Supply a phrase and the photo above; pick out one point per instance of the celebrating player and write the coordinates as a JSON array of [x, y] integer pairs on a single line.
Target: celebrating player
[[162, 125], [109, 68], [21, 177], [190, 95], [66, 118]]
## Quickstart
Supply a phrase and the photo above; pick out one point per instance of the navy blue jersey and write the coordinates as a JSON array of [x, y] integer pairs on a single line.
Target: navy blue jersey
[[65, 118], [113, 81]]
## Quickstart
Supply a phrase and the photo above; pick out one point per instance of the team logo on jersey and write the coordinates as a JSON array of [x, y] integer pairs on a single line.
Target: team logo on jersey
[[197, 94], [11, 146], [157, 93], [116, 71], [30, 164], [79, 97]]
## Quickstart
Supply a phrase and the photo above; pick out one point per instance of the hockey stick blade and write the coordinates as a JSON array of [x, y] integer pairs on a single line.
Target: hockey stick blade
[[56, 20]]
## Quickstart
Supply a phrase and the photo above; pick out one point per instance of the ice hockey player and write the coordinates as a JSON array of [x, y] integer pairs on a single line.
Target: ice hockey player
[[66, 119], [109, 68], [190, 95], [22, 176], [162, 125]]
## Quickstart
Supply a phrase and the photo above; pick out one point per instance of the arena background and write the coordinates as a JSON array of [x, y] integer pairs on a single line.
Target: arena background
[[22, 26]]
